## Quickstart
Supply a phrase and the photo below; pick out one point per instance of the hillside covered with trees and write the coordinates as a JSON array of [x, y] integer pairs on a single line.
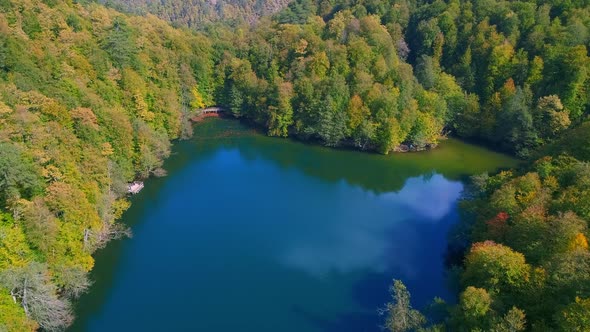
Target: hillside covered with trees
[[377, 73], [91, 98], [530, 255], [527, 263], [196, 13]]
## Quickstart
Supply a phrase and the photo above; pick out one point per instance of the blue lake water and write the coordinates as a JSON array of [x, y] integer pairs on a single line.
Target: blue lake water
[[250, 233]]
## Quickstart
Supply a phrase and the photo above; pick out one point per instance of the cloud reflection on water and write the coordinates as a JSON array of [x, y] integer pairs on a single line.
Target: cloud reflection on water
[[428, 197], [389, 240]]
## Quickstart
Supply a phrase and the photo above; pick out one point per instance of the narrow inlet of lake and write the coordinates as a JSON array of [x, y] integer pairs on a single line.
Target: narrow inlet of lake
[[251, 233]]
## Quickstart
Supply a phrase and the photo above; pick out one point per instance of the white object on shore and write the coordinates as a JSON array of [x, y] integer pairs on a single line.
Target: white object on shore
[[135, 187]]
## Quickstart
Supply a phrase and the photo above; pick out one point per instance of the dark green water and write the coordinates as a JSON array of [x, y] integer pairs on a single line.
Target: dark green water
[[250, 233]]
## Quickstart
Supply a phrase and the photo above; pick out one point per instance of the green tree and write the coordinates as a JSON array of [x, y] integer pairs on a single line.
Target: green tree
[[496, 268], [426, 71], [281, 113], [575, 317], [13, 317], [550, 116], [118, 43], [474, 308], [18, 176], [566, 74], [40, 224], [236, 101]]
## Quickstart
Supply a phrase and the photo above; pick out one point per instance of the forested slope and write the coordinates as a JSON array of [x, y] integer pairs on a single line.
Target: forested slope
[[512, 74], [89, 99], [530, 257], [195, 13], [339, 82], [522, 67], [525, 62]]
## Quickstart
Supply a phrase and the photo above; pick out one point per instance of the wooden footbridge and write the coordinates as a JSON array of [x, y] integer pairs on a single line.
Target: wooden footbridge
[[212, 110], [207, 113]]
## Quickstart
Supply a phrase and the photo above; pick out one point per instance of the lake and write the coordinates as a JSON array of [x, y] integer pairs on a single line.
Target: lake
[[251, 233]]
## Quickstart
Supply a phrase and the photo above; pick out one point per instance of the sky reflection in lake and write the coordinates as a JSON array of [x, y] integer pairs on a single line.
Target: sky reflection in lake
[[365, 226], [249, 233]]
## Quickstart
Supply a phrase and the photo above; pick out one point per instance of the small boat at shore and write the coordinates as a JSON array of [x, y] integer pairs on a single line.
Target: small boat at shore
[[135, 187]]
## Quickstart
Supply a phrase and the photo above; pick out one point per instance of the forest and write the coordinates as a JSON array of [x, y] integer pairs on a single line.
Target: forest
[[196, 13], [91, 98]]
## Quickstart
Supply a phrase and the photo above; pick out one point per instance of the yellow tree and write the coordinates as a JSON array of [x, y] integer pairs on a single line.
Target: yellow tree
[[197, 102]]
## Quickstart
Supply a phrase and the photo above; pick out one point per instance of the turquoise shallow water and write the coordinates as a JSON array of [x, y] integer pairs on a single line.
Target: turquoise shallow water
[[250, 233]]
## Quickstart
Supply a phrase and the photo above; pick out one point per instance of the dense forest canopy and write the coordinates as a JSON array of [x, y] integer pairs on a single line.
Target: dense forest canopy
[[512, 74], [91, 98], [375, 74], [195, 13], [531, 250]]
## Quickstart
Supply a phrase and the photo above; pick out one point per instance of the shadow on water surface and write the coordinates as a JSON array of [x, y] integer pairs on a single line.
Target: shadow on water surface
[[380, 173], [108, 259]]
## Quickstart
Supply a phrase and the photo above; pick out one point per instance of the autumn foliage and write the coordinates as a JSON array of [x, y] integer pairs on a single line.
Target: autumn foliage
[[538, 260]]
